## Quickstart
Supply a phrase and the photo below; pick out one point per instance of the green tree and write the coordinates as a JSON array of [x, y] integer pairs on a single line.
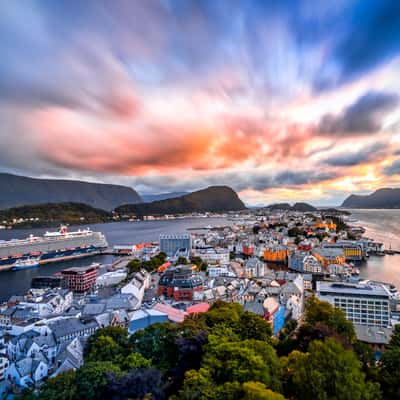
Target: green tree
[[104, 348], [135, 361], [62, 387], [252, 326], [157, 343], [321, 312], [222, 313], [91, 379], [327, 372], [181, 261], [258, 391], [389, 375], [242, 361], [119, 343]]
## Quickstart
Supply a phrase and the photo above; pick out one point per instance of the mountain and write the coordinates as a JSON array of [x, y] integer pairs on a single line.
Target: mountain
[[280, 206], [148, 198], [214, 198], [381, 198], [301, 207], [53, 214], [20, 190]]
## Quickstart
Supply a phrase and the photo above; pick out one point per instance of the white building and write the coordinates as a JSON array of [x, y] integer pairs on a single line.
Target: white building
[[217, 270], [254, 268], [364, 304], [215, 255]]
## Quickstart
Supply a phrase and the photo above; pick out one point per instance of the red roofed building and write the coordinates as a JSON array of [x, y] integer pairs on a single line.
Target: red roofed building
[[179, 283], [198, 308]]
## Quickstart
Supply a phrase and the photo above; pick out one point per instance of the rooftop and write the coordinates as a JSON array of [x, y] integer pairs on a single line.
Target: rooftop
[[352, 288]]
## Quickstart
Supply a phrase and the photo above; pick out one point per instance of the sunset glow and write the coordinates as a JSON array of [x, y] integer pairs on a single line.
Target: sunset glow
[[282, 102]]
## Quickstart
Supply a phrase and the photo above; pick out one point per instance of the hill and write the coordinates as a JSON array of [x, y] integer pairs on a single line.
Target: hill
[[148, 198], [301, 207], [20, 190], [52, 214], [214, 199], [381, 198]]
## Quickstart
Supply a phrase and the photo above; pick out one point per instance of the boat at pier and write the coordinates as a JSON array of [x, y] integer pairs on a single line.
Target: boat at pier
[[52, 246], [27, 263]]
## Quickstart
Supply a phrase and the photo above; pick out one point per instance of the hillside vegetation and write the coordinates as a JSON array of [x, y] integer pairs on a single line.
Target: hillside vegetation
[[213, 199]]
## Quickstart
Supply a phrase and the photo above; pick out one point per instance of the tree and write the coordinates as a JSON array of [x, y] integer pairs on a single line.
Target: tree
[[107, 344], [135, 361], [137, 384], [227, 314], [104, 348], [91, 379], [327, 372], [157, 343], [242, 361], [181, 261], [252, 326], [390, 367], [62, 387], [390, 373], [258, 391], [321, 312]]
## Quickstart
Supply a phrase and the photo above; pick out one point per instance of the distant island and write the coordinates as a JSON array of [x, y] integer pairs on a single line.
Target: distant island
[[21, 190], [381, 198], [53, 214], [212, 199], [300, 207]]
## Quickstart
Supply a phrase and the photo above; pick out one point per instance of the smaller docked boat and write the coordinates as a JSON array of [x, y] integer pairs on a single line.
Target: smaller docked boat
[[26, 263]]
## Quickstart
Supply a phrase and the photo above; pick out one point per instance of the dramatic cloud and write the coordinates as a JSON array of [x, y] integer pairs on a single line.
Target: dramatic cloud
[[362, 117], [171, 95], [366, 154], [393, 169]]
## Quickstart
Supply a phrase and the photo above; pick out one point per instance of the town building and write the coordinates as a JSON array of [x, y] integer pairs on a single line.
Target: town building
[[364, 304], [213, 255], [170, 244], [80, 279], [179, 283], [254, 268], [327, 256], [276, 254]]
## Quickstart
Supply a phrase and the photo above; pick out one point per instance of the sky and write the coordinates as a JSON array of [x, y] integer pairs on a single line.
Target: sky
[[281, 100]]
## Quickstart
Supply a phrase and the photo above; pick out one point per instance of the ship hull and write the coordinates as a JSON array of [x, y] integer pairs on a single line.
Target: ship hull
[[53, 256], [22, 267]]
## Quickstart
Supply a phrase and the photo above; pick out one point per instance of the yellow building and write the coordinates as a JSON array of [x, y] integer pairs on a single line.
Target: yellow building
[[278, 254], [327, 256]]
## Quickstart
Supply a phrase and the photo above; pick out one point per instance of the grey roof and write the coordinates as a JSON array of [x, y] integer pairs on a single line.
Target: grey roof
[[352, 289], [93, 309], [255, 307], [67, 326], [121, 301], [24, 366], [373, 334]]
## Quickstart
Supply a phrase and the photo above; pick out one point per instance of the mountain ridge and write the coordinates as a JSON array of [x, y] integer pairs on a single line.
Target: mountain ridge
[[149, 198], [212, 198], [18, 190], [382, 198]]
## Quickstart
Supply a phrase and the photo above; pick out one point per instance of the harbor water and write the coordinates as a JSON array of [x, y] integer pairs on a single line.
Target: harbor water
[[121, 233]]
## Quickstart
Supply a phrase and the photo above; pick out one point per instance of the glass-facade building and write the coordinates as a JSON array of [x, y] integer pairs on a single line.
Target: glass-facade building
[[364, 304], [170, 244]]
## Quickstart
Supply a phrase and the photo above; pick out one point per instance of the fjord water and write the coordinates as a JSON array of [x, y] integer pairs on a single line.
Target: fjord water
[[383, 226], [122, 233]]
